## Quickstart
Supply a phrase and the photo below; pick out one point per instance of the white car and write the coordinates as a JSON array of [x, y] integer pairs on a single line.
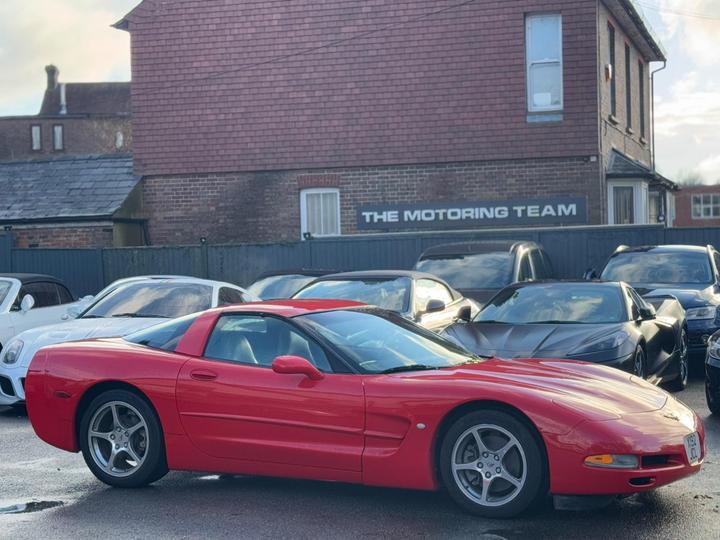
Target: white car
[[31, 300], [129, 308]]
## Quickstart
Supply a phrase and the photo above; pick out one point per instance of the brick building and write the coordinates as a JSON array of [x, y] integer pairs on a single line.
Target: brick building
[[265, 121], [698, 206], [74, 119]]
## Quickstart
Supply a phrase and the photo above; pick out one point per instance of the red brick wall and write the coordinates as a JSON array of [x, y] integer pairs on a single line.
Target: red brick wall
[[443, 88], [683, 207], [265, 207], [81, 136], [60, 236]]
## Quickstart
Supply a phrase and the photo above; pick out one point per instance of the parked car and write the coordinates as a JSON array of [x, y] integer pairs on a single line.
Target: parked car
[[30, 300], [689, 273], [332, 390], [129, 308], [278, 285], [712, 374], [605, 323], [419, 297], [479, 270]]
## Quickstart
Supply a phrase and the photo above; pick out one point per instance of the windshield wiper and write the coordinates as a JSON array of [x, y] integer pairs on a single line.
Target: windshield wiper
[[91, 317], [139, 316], [416, 367]]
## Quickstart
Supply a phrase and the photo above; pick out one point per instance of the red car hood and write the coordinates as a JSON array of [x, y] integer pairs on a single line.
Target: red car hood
[[582, 387]]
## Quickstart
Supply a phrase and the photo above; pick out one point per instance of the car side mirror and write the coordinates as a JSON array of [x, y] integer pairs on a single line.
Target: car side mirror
[[434, 306], [648, 313], [590, 274], [27, 303], [465, 314], [296, 365]]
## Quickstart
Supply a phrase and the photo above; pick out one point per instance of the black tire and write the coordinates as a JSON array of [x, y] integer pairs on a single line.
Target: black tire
[[153, 465], [712, 395], [640, 363], [680, 383], [534, 470]]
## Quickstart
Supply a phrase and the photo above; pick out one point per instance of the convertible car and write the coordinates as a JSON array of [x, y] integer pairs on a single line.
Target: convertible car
[[337, 391], [607, 323]]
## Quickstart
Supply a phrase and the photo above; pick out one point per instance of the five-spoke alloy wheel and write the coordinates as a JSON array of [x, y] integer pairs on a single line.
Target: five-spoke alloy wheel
[[121, 440], [492, 464]]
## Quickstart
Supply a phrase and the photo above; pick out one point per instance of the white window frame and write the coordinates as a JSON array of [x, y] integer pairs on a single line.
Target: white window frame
[[702, 206], [641, 207], [303, 210], [529, 64], [36, 129]]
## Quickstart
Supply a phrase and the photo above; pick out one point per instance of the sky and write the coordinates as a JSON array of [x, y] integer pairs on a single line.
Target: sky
[[76, 36]]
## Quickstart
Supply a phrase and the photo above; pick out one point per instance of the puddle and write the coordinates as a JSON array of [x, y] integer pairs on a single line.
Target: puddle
[[29, 508]]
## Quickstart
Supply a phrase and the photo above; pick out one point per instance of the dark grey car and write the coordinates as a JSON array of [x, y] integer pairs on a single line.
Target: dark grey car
[[604, 323]]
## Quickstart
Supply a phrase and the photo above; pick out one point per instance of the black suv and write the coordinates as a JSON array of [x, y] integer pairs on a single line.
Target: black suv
[[480, 269]]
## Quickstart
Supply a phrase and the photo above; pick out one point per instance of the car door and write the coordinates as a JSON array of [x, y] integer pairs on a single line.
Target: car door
[[234, 406], [429, 289], [48, 308], [659, 337]]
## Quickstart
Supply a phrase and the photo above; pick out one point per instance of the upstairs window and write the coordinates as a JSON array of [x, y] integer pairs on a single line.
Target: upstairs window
[[320, 212], [36, 138], [641, 86], [58, 138], [613, 78], [628, 88], [543, 37]]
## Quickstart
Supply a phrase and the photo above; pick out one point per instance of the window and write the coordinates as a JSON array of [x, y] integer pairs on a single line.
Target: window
[[544, 63], [624, 205], [58, 138], [36, 138], [65, 296], [320, 212], [613, 81], [706, 206], [628, 88], [165, 336], [427, 289], [229, 297], [255, 340], [641, 86], [471, 271], [45, 294]]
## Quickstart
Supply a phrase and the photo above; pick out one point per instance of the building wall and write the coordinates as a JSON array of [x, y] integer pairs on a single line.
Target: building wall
[[231, 85], [96, 135], [94, 235], [683, 207], [265, 206]]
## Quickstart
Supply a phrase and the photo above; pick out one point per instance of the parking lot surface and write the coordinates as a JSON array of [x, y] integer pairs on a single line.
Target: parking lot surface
[[57, 497]]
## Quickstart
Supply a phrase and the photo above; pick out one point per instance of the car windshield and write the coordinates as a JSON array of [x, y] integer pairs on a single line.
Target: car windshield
[[479, 271], [574, 303], [669, 268], [390, 294], [275, 287], [377, 341], [151, 300], [4, 289]]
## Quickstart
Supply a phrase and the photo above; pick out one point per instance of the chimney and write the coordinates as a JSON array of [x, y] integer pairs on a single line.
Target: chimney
[[52, 77]]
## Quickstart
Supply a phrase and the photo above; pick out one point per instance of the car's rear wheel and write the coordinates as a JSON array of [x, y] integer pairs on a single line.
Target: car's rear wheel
[[640, 363], [679, 384], [121, 440], [712, 395], [492, 464]]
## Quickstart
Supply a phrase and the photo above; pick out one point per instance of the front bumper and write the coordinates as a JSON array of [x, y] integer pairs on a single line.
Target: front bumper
[[698, 334], [12, 386], [657, 438]]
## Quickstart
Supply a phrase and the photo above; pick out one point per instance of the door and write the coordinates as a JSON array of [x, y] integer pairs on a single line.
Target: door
[[50, 305], [659, 337], [428, 289], [234, 406]]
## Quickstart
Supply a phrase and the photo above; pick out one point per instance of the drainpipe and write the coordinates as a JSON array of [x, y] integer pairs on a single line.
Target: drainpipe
[[652, 105]]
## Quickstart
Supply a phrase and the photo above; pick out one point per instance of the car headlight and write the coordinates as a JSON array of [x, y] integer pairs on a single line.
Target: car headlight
[[613, 461], [701, 313], [606, 343], [714, 346], [12, 352]]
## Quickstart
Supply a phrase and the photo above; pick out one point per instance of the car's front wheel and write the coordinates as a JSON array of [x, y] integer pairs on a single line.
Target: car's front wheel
[[679, 384], [640, 363], [121, 440], [712, 395], [492, 464]]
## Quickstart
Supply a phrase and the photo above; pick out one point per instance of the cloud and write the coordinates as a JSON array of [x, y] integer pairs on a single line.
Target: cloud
[[73, 34], [709, 169], [695, 24], [693, 102]]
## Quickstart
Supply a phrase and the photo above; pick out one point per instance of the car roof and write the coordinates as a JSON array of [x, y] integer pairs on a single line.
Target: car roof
[[31, 278], [291, 308], [476, 247], [662, 249]]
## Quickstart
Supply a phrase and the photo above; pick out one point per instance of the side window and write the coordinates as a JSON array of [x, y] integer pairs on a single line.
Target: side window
[[45, 294], [525, 272], [229, 297], [165, 336], [427, 289], [255, 340], [64, 294], [637, 302], [549, 270], [538, 264], [716, 256]]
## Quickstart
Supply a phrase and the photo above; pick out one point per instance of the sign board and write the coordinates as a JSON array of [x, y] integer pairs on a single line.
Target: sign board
[[470, 215]]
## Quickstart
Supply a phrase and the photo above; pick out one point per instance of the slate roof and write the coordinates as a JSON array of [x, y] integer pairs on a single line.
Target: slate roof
[[623, 166], [89, 99], [85, 187]]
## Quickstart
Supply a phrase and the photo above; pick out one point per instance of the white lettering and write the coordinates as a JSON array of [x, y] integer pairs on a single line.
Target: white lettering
[[549, 211], [567, 210], [533, 211], [502, 212]]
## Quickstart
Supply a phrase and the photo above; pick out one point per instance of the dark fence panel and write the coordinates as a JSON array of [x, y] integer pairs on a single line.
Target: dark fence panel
[[573, 250]]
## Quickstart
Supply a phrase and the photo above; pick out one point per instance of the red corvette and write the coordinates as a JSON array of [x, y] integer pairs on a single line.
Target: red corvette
[[333, 390]]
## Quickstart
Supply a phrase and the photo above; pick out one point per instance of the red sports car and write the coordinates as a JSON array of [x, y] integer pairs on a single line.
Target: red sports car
[[333, 390]]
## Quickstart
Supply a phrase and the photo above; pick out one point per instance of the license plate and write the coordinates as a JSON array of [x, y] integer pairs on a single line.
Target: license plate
[[692, 448]]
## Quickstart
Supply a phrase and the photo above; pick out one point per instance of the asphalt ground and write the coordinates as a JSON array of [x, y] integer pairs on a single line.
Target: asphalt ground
[[59, 498]]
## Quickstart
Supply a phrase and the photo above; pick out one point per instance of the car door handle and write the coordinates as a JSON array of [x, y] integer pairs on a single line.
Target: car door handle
[[203, 375]]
